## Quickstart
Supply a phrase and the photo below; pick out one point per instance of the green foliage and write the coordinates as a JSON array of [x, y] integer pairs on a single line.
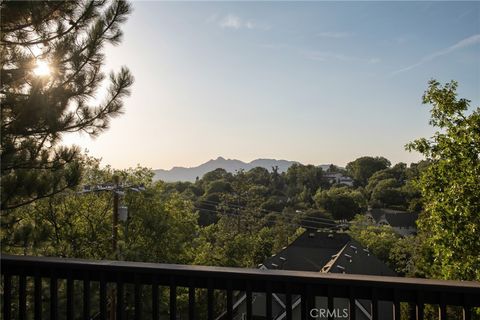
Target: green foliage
[[341, 202], [218, 186], [394, 188], [259, 176], [241, 242], [302, 183], [38, 109], [215, 175], [378, 239], [363, 168], [387, 191], [161, 227], [411, 257], [450, 185]]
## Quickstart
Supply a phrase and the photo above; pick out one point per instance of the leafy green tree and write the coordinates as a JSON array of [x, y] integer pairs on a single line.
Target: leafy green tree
[[224, 244], [161, 227], [387, 193], [411, 257], [51, 70], [378, 239], [376, 178], [277, 182], [412, 196], [217, 174], [218, 186], [363, 168], [341, 202], [303, 181], [259, 176], [450, 185], [394, 188]]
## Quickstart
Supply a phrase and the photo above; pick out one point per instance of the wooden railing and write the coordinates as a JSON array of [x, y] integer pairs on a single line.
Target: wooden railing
[[73, 284]]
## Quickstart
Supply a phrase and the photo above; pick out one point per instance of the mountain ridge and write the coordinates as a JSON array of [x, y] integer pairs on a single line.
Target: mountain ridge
[[230, 165]]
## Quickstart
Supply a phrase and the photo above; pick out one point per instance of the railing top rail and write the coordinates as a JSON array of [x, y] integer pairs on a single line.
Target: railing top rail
[[13, 261]]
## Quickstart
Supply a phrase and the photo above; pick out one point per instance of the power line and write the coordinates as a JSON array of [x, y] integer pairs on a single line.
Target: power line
[[306, 220], [264, 210], [291, 217], [288, 223], [311, 219], [327, 225]]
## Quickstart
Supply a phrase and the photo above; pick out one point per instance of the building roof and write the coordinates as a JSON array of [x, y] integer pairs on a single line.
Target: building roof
[[395, 218], [309, 252], [402, 219], [327, 252], [317, 251], [355, 259]]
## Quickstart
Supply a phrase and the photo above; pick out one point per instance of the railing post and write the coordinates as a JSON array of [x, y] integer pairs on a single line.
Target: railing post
[[210, 310], [155, 309], [229, 300], [442, 308], [86, 297], [173, 299], [103, 297], [53, 296], [138, 297], [310, 300], [268, 302], [120, 298], [249, 301], [303, 304], [22, 297], [191, 301], [7, 296], [330, 304], [70, 290], [396, 306], [288, 302], [351, 304], [374, 304], [37, 313], [467, 313], [420, 305], [466, 308]]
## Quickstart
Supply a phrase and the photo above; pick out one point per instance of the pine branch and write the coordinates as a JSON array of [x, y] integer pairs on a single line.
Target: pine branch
[[40, 40], [21, 204]]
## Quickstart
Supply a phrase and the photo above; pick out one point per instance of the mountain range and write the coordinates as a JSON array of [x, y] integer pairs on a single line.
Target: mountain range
[[230, 165]]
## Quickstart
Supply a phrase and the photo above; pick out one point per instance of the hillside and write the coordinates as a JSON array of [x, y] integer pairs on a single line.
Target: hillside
[[230, 165]]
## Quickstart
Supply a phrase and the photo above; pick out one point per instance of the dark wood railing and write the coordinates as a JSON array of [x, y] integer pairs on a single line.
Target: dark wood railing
[[70, 294]]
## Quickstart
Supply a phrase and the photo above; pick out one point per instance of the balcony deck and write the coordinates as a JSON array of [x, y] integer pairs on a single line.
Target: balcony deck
[[114, 276]]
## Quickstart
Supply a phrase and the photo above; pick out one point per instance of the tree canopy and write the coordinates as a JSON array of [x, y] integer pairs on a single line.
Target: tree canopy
[[363, 168], [341, 202], [50, 77], [450, 185]]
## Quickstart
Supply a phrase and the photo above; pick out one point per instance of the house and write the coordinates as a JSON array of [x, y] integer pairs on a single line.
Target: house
[[318, 251], [337, 177], [404, 223]]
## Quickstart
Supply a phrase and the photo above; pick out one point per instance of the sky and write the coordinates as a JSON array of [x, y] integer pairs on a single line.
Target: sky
[[315, 82]]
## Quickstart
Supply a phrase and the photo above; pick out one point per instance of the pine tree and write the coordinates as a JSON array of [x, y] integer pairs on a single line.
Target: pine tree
[[51, 60]]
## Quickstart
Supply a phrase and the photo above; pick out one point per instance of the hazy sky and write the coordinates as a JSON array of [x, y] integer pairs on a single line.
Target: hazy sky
[[316, 82]]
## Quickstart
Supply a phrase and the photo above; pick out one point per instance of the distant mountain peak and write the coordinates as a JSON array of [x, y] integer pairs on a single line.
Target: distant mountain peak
[[230, 165]]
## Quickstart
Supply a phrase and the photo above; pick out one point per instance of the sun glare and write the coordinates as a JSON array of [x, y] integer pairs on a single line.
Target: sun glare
[[42, 68]]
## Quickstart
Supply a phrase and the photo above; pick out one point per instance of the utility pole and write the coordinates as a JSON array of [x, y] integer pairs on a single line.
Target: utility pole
[[116, 190], [115, 216], [113, 297]]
